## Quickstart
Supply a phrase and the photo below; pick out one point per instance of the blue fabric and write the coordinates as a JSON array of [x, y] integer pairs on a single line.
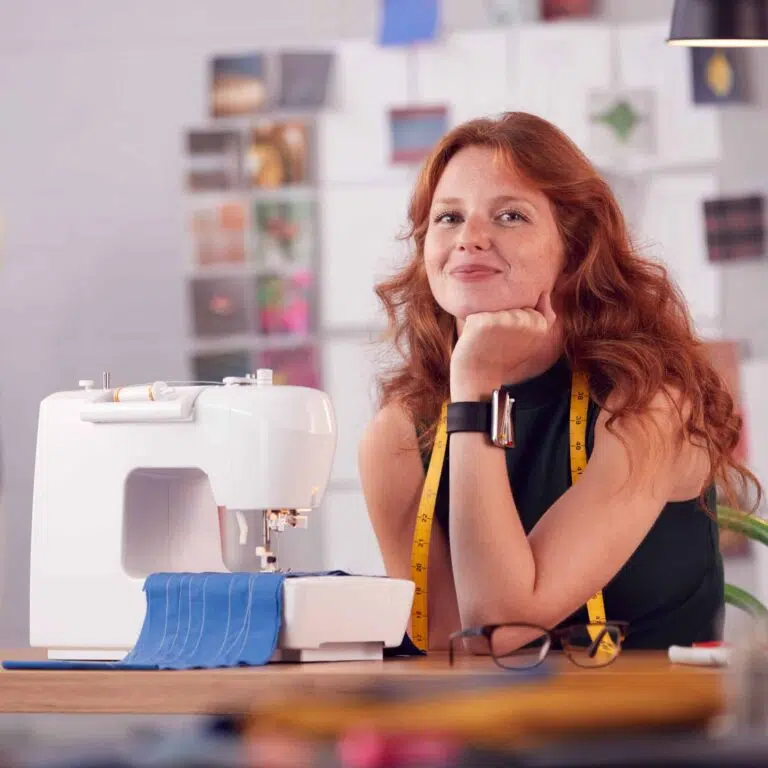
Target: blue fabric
[[204, 621], [408, 21], [199, 621], [207, 620]]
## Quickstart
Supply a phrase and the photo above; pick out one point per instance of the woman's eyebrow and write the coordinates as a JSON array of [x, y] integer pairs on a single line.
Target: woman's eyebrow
[[498, 200]]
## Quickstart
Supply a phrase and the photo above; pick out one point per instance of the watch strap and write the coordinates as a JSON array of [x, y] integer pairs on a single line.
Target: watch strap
[[469, 417], [495, 419]]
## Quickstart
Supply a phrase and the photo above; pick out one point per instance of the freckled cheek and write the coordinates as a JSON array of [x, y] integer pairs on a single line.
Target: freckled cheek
[[434, 259]]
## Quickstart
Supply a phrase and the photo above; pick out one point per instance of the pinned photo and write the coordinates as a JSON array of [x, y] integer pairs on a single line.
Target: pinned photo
[[404, 22], [719, 75], [220, 306], [304, 79], [285, 233], [284, 303], [503, 12], [218, 233], [278, 154], [238, 85], [215, 367], [735, 228], [295, 366], [415, 131], [552, 10], [215, 160], [621, 122]]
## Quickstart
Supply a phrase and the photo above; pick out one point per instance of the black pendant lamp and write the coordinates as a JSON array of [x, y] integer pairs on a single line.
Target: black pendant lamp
[[719, 23]]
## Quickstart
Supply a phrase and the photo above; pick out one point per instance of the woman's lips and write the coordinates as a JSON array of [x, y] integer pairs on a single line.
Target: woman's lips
[[473, 274]]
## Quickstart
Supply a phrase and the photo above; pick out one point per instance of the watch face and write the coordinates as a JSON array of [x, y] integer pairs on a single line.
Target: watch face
[[502, 419]]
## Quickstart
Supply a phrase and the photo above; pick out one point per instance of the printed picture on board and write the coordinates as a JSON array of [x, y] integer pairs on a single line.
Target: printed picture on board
[[284, 233], [216, 366], [214, 160], [218, 233], [278, 154], [284, 303], [220, 306], [297, 366], [238, 85]]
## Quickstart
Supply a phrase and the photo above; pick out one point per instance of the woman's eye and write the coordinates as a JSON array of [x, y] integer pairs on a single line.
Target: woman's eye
[[512, 216], [446, 218]]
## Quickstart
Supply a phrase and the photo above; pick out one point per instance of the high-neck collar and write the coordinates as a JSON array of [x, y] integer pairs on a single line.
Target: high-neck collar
[[544, 388]]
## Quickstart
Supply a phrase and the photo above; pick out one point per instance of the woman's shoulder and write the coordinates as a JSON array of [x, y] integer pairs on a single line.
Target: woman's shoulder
[[389, 442], [659, 434], [390, 429], [389, 449]]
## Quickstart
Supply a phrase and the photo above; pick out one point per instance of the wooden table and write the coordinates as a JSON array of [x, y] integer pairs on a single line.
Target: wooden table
[[693, 693]]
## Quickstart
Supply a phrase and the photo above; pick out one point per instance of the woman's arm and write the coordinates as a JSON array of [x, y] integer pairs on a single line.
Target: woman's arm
[[584, 538], [392, 477]]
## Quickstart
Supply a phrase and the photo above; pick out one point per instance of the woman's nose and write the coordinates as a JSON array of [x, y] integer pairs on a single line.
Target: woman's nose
[[474, 236]]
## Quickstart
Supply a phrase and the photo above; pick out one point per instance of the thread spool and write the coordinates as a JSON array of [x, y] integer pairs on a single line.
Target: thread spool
[[140, 393]]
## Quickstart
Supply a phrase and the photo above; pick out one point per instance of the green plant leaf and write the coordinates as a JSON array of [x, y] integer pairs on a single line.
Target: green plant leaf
[[742, 599], [751, 526]]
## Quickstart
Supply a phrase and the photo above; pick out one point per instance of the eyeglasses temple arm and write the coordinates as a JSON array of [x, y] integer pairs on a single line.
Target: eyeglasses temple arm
[[592, 650], [461, 634]]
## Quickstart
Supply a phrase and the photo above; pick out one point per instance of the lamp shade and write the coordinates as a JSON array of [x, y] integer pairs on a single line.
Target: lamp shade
[[719, 23]]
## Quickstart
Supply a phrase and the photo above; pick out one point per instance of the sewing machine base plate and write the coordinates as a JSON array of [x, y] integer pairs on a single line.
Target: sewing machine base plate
[[331, 652], [86, 654]]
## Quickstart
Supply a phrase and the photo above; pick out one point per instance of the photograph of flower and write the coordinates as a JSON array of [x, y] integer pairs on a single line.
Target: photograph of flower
[[283, 303], [285, 231], [220, 305]]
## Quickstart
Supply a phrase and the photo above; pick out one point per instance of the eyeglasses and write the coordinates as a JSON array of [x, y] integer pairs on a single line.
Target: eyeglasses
[[524, 646]]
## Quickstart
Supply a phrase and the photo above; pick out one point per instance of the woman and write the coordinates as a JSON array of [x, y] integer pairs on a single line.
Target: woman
[[523, 274]]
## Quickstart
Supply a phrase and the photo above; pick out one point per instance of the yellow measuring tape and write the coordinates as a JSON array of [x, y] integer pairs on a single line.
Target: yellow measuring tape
[[422, 534], [423, 531]]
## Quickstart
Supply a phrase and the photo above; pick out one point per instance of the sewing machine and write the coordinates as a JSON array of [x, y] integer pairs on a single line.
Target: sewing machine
[[188, 477]]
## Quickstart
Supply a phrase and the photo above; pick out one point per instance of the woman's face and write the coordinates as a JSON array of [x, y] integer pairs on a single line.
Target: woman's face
[[492, 242]]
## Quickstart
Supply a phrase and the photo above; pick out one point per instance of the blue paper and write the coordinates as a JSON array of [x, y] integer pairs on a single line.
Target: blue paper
[[408, 21]]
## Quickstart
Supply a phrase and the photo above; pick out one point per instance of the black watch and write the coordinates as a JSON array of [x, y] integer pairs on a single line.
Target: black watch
[[495, 418]]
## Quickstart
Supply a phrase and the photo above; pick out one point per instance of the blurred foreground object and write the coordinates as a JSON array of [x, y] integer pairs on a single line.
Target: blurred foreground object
[[748, 680], [640, 693]]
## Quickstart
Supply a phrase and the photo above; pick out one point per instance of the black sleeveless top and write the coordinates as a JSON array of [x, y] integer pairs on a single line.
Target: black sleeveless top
[[672, 588]]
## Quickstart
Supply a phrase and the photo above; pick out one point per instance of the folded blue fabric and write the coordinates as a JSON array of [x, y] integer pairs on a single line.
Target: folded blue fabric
[[199, 621], [204, 621]]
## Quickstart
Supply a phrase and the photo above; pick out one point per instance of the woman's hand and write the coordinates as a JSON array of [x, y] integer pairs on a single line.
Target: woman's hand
[[507, 347]]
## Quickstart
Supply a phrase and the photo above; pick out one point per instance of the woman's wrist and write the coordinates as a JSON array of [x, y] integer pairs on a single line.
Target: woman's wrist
[[470, 392], [465, 388]]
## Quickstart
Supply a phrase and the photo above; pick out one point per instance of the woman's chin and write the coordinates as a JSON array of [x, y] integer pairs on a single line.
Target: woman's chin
[[476, 307]]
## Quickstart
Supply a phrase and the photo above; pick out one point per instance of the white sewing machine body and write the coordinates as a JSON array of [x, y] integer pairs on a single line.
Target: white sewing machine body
[[135, 480]]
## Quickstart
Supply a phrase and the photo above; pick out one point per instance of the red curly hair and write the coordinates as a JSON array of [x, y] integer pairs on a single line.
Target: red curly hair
[[625, 323]]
